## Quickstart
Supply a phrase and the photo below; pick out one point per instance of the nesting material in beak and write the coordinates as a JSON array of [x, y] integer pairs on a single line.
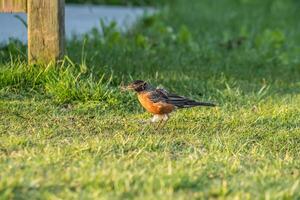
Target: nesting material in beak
[[125, 88]]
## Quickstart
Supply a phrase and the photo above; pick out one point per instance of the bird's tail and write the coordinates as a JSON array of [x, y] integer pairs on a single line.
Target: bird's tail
[[191, 103], [182, 102]]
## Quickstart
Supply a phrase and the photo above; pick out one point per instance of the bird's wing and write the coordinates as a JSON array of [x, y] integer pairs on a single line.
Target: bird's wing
[[183, 102], [158, 95], [161, 95], [178, 101]]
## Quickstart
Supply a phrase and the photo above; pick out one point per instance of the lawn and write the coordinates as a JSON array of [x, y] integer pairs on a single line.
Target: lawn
[[68, 132]]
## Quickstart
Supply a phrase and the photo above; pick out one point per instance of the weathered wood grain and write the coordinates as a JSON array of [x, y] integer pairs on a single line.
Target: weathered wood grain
[[13, 5], [46, 30]]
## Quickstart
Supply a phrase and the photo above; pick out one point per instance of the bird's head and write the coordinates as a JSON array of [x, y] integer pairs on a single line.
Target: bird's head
[[138, 86]]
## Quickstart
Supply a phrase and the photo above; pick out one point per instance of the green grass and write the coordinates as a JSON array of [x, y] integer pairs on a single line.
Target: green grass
[[67, 132]]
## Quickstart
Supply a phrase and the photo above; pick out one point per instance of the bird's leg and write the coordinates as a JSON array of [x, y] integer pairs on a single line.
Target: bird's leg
[[165, 120], [154, 119], [157, 119], [158, 124], [164, 123]]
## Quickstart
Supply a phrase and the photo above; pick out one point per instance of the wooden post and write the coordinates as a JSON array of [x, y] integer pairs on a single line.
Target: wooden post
[[46, 27], [13, 5], [46, 30]]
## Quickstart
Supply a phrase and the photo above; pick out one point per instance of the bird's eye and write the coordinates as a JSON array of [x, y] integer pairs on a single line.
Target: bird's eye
[[144, 85]]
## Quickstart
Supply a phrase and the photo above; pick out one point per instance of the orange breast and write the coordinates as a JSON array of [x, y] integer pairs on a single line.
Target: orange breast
[[155, 108]]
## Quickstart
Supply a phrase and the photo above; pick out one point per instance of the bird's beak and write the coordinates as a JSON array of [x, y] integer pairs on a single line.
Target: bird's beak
[[126, 88]]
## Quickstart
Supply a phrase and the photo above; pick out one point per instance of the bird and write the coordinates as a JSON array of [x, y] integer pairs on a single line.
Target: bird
[[159, 102]]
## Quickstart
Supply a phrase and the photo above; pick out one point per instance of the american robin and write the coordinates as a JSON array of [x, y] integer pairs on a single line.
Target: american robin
[[159, 102]]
